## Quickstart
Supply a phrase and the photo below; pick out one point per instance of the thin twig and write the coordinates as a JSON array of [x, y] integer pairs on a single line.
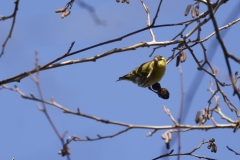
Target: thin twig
[[166, 110], [222, 45], [156, 15], [44, 109], [221, 28], [148, 20], [181, 110], [14, 15], [232, 150], [213, 75], [187, 153], [217, 109], [99, 137]]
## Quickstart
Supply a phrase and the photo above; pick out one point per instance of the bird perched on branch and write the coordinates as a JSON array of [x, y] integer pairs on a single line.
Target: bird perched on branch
[[148, 73]]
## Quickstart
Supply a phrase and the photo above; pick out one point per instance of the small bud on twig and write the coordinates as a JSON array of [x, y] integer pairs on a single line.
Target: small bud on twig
[[197, 10], [193, 12], [214, 148], [188, 9], [61, 10], [183, 56], [197, 118]]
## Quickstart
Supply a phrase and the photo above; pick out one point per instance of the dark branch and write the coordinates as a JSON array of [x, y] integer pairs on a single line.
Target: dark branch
[[226, 54], [14, 15], [187, 153], [232, 150]]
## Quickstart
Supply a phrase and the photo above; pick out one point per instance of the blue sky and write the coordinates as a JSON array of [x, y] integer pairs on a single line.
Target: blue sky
[[92, 86]]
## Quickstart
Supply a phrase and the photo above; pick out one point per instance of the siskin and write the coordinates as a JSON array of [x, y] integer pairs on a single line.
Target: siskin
[[148, 73]]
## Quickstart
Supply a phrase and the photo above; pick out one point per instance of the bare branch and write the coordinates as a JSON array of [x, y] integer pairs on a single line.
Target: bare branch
[[187, 153], [217, 109], [181, 110], [218, 83], [221, 28], [65, 150], [148, 20], [75, 138], [226, 55], [155, 18], [14, 15], [232, 150], [166, 110]]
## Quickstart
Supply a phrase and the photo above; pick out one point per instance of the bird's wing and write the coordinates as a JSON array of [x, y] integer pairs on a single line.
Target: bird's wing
[[138, 75], [142, 71]]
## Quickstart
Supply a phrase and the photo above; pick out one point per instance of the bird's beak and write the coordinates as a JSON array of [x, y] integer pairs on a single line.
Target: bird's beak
[[156, 60]]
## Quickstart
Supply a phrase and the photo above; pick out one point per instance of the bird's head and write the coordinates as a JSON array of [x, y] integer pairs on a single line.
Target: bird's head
[[159, 61]]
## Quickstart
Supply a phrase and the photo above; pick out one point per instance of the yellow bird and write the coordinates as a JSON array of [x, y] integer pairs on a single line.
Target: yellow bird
[[148, 73]]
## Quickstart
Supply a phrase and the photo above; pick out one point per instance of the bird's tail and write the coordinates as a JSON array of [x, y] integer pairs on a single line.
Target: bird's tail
[[123, 78]]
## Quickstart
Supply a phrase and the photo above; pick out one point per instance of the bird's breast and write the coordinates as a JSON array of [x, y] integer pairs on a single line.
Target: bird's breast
[[158, 73]]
